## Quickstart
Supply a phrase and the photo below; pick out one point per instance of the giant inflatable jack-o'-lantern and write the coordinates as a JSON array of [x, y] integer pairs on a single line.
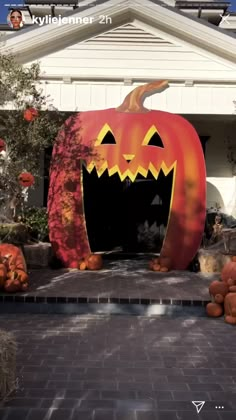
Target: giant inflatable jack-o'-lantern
[[128, 141]]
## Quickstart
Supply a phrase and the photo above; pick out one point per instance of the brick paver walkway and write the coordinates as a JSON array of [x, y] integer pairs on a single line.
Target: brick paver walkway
[[122, 368], [122, 278]]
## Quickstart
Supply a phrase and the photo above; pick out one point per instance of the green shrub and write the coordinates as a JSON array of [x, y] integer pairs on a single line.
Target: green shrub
[[36, 219]]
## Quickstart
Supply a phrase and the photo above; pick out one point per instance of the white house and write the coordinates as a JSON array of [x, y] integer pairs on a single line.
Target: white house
[[94, 53]]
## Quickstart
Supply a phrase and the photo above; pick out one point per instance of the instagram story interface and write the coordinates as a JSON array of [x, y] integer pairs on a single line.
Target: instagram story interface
[[15, 19]]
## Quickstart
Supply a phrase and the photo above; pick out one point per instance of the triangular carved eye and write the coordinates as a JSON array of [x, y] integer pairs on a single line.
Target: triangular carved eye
[[155, 140], [152, 138], [109, 138]]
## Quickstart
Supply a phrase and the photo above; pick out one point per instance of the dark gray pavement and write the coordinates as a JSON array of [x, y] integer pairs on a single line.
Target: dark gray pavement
[[126, 278], [122, 368]]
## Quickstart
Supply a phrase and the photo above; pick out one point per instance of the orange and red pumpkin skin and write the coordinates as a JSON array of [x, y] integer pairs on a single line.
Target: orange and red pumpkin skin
[[182, 151], [230, 308], [94, 262], [16, 260], [218, 288], [229, 271], [214, 310]]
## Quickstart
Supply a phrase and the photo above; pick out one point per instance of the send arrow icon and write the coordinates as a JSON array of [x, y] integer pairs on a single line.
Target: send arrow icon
[[198, 405]]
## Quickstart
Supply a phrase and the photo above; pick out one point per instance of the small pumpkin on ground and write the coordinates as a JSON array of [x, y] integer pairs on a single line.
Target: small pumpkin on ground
[[229, 271], [223, 294], [165, 262], [13, 275], [2, 278], [14, 257], [94, 262], [22, 276], [214, 309], [154, 263], [3, 274], [230, 308], [218, 288], [12, 286], [162, 264], [156, 267], [164, 269], [83, 266], [231, 282]]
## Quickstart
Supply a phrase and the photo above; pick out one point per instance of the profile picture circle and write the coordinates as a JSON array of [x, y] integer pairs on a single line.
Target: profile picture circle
[[15, 19]]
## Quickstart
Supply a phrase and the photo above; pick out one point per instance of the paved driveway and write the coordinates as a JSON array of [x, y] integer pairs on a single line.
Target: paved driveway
[[122, 368]]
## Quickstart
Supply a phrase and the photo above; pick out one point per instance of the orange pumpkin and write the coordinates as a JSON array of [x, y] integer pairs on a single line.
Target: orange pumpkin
[[230, 308], [218, 287], [219, 298], [30, 114], [164, 269], [14, 257], [165, 262], [21, 276], [94, 262], [83, 266], [26, 179], [12, 286], [154, 261], [233, 258], [2, 145], [214, 309], [229, 271], [231, 282], [12, 275], [127, 142], [2, 277], [3, 268], [156, 267]]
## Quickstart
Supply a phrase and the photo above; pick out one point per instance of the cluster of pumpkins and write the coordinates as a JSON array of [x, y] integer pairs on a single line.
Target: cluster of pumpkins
[[223, 294], [91, 262], [162, 264], [13, 271]]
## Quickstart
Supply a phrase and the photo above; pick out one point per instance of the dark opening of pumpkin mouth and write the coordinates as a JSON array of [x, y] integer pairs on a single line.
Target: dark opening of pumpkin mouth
[[126, 216]]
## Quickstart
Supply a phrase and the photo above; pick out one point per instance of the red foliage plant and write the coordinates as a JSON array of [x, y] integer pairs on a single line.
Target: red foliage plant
[[2, 145]]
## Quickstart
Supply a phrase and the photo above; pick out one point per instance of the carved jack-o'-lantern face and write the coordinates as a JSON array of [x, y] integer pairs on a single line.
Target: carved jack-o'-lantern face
[[128, 141]]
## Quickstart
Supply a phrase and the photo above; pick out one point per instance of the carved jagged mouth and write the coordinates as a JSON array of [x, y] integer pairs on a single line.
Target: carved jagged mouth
[[103, 168], [125, 214]]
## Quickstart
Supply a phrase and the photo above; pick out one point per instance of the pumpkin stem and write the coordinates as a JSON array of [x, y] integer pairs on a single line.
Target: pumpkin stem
[[134, 100]]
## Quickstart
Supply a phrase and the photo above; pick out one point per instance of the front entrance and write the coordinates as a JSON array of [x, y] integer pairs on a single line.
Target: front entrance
[[126, 216]]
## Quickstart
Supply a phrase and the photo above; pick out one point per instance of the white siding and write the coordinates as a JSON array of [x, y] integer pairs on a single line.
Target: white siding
[[136, 50], [122, 61], [82, 96]]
